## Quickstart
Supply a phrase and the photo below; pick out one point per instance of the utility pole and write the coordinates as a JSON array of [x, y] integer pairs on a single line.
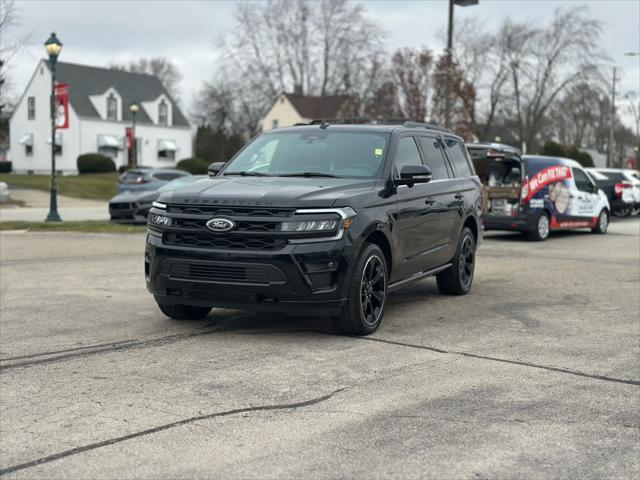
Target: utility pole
[[447, 100], [449, 86], [612, 119]]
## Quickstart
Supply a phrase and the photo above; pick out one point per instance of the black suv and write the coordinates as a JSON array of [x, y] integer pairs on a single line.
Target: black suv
[[319, 219]]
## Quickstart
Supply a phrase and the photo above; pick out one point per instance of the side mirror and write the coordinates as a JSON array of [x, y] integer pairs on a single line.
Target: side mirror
[[410, 174], [214, 168]]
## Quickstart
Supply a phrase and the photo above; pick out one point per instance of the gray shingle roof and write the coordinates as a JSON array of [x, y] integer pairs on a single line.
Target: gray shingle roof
[[84, 81]]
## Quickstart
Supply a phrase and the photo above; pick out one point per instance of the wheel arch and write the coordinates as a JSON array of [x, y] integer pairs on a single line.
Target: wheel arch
[[379, 238]]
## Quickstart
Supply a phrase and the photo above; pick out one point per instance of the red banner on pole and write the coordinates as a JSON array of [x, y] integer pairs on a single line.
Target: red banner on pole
[[62, 105], [128, 133]]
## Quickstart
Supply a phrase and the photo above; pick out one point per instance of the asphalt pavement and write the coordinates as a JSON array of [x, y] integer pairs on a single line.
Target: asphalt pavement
[[534, 374]]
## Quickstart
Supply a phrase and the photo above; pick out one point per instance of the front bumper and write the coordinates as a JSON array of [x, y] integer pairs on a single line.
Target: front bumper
[[523, 222], [305, 278]]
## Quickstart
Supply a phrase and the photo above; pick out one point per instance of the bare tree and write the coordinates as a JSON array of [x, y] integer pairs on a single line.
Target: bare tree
[[304, 47], [411, 71], [161, 67], [9, 47], [544, 62]]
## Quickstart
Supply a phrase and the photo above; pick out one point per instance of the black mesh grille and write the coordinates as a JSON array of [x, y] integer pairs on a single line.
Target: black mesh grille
[[242, 226], [233, 242], [228, 273]]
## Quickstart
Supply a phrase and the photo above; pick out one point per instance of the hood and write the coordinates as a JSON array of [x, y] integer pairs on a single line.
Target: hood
[[287, 192], [142, 196]]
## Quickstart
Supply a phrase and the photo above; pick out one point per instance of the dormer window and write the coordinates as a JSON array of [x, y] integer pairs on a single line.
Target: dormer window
[[112, 107], [163, 113]]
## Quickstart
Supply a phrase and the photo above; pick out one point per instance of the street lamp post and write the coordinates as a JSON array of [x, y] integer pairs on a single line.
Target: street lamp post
[[53, 47], [133, 108], [449, 87]]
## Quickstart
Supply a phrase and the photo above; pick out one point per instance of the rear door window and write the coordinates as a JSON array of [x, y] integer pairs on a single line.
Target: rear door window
[[132, 177], [458, 158], [434, 157]]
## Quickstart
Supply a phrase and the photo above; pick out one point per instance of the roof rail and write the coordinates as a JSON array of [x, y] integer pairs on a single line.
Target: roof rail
[[431, 126]]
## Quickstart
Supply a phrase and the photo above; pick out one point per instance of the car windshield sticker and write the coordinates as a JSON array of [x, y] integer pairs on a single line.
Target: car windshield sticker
[[543, 178], [378, 151]]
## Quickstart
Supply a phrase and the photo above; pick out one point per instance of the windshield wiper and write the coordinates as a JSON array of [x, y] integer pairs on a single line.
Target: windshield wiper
[[308, 174], [247, 174]]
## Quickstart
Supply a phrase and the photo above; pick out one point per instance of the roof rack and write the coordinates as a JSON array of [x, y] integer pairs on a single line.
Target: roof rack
[[323, 124], [430, 126]]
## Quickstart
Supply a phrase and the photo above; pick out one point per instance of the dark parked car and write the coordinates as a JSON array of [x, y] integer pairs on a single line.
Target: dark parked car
[[140, 179], [316, 220], [133, 207]]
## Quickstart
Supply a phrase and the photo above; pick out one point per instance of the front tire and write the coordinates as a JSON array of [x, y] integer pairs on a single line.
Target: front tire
[[367, 294], [457, 279], [541, 229], [184, 312], [603, 223]]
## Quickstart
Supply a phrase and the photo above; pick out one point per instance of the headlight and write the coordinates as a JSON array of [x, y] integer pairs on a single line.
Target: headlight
[[311, 226], [333, 222], [159, 220]]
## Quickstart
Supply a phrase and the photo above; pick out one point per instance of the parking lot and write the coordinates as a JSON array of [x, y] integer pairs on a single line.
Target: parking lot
[[535, 374]]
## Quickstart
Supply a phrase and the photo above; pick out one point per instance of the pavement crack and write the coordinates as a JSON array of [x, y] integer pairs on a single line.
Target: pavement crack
[[521, 363], [166, 426]]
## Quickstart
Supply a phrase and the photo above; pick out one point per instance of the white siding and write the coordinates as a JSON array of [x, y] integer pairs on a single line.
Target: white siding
[[82, 134], [283, 113]]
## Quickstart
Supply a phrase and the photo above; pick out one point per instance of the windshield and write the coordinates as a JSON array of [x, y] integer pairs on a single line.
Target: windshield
[[313, 153], [179, 182]]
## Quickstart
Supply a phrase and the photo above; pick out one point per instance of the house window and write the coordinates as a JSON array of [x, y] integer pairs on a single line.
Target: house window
[[112, 107], [163, 113], [274, 123], [168, 155], [31, 108], [28, 150]]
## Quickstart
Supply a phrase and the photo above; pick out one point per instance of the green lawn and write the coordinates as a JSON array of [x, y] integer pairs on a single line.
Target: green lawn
[[94, 226], [95, 186]]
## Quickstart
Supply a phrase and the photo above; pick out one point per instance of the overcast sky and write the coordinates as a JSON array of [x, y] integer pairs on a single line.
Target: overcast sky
[[187, 32]]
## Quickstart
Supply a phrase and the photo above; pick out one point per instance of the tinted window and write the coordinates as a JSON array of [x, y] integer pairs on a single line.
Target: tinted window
[[615, 176], [434, 158], [342, 154], [582, 181], [406, 154], [132, 177], [458, 158]]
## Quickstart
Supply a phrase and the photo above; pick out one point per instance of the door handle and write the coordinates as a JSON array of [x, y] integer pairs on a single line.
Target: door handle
[[429, 201], [458, 196]]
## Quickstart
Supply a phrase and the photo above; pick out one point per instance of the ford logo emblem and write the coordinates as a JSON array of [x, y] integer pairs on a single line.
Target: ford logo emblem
[[220, 225]]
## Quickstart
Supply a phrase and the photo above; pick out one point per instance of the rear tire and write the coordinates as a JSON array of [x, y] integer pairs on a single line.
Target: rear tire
[[184, 312], [457, 279], [603, 223], [367, 294], [541, 229]]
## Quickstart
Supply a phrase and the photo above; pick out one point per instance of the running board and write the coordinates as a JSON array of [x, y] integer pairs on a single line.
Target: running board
[[416, 277]]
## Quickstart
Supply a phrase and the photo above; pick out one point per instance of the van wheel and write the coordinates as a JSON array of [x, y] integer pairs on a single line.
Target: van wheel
[[541, 230], [603, 223], [184, 312], [457, 279], [367, 295]]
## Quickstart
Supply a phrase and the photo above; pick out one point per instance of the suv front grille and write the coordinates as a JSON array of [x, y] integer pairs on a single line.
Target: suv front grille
[[233, 242], [221, 211]]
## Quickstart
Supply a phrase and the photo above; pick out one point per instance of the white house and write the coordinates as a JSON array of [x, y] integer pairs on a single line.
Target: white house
[[289, 109], [99, 100]]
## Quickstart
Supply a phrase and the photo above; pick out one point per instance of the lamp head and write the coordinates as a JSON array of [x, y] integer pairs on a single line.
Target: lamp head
[[53, 46]]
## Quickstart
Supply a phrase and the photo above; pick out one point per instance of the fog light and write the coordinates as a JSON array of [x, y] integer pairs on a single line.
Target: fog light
[[159, 220]]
